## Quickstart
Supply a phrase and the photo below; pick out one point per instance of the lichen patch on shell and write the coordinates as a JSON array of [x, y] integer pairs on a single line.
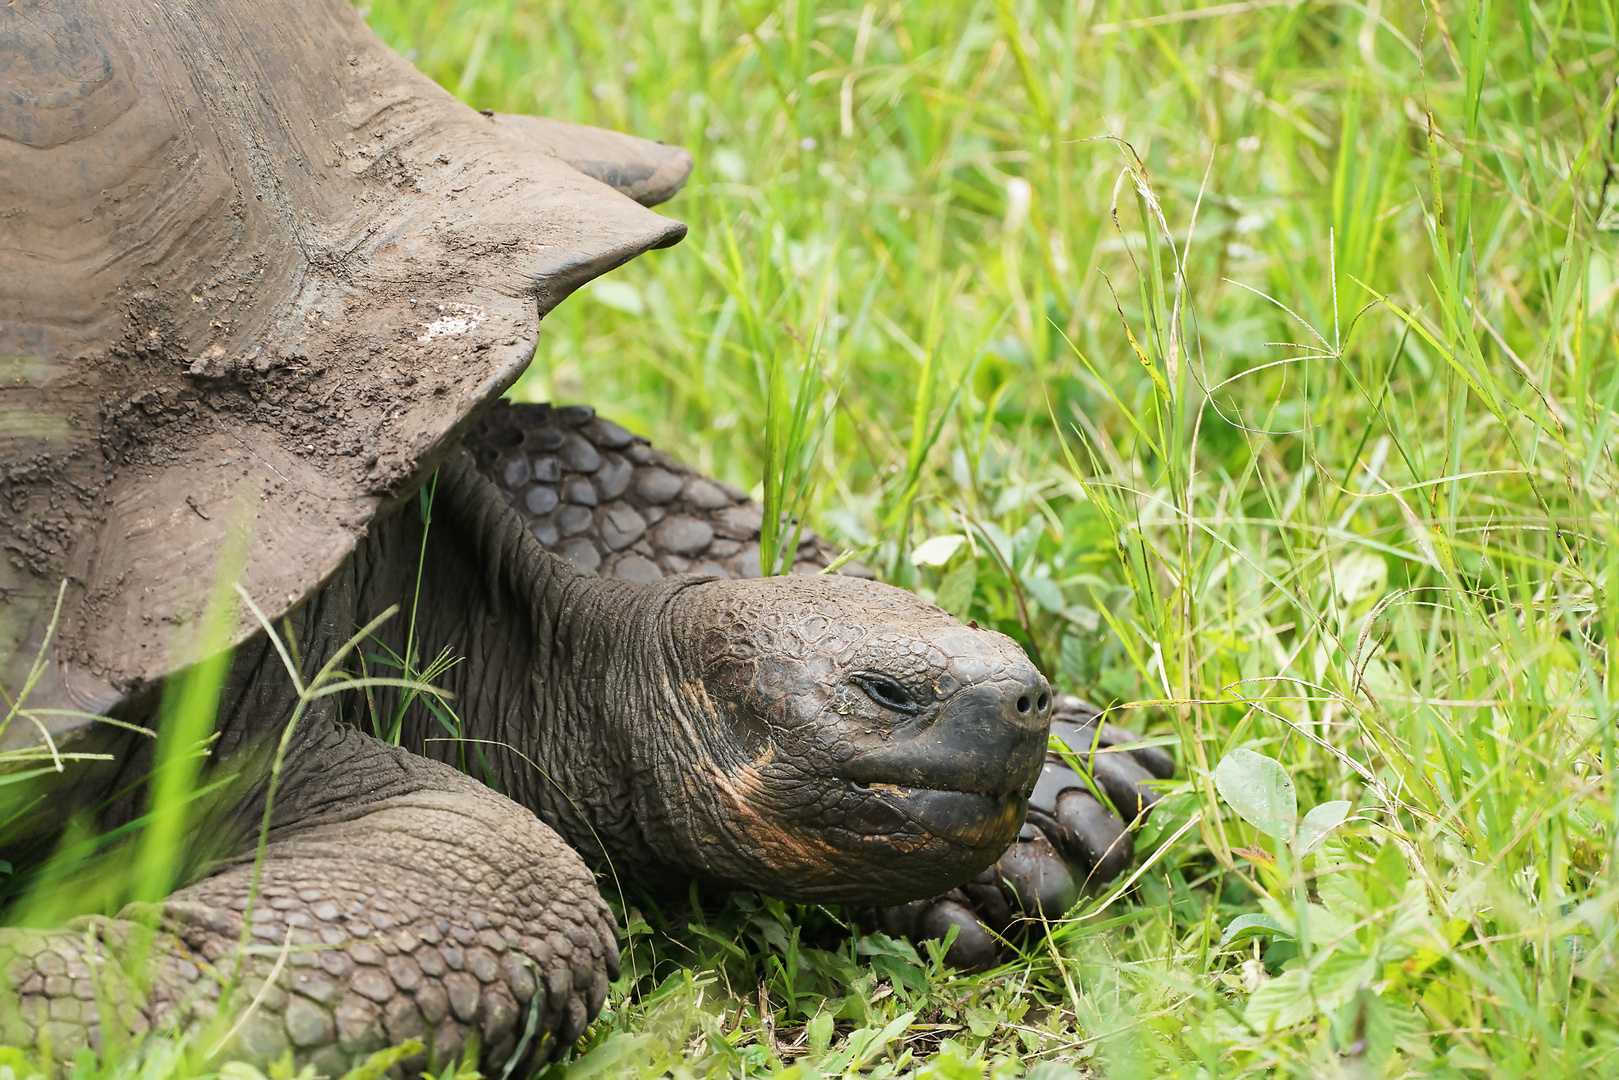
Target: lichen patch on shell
[[456, 320]]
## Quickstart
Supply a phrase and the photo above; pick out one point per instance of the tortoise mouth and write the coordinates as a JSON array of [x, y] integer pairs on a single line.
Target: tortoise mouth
[[970, 819], [979, 742]]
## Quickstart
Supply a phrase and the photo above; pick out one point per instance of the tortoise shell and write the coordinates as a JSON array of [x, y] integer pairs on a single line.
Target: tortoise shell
[[256, 275]]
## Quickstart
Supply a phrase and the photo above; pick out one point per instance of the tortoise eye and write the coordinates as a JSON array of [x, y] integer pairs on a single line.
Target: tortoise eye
[[887, 692]]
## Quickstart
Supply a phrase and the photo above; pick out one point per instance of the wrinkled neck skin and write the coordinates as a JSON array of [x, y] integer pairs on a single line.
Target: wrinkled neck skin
[[563, 685], [820, 739]]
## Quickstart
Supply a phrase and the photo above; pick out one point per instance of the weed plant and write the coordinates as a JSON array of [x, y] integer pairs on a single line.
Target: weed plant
[[1254, 366]]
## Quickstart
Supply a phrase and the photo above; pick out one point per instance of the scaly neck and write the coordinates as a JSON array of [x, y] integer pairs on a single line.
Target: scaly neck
[[556, 671]]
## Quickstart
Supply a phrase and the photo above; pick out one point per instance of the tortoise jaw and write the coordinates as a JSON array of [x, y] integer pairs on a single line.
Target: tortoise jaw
[[971, 820], [893, 843]]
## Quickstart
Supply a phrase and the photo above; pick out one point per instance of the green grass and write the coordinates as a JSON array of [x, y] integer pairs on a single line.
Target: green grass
[[1264, 357], [1263, 361]]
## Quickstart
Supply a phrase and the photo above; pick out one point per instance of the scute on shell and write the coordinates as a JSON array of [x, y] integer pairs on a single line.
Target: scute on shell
[[653, 515]]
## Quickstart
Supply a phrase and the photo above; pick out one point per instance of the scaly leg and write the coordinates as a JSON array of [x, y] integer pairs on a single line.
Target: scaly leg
[[397, 898]]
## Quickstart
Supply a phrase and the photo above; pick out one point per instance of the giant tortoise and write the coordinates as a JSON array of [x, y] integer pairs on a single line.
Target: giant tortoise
[[259, 280]]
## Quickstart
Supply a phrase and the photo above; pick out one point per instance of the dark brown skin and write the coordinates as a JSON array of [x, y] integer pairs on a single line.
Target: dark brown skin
[[743, 732]]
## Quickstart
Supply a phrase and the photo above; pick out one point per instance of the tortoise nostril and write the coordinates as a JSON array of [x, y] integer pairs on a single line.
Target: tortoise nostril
[[1023, 703], [1045, 699]]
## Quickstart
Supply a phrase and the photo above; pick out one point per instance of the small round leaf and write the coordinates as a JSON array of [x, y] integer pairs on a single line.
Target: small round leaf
[[1260, 791]]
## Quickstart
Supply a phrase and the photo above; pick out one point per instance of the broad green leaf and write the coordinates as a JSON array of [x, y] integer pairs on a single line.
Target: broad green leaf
[[1280, 1003], [1320, 821], [955, 593], [937, 550], [618, 294], [1260, 791], [1386, 878], [1026, 539], [866, 1043], [983, 1022], [1244, 927], [1390, 1024], [1340, 976], [1073, 660], [1046, 593], [820, 1032]]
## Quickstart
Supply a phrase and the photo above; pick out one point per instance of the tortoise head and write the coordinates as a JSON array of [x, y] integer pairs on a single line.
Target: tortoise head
[[842, 740]]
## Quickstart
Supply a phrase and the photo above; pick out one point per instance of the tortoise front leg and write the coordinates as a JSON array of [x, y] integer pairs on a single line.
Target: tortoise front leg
[[428, 915], [72, 987], [434, 913]]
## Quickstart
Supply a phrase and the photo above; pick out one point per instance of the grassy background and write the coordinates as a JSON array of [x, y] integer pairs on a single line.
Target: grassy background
[[1263, 355], [1255, 367]]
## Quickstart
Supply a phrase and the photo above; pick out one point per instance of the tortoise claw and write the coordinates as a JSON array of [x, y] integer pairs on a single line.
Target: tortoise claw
[[974, 949], [1124, 772], [1154, 759], [1074, 716], [1039, 879], [1126, 784], [986, 895], [1093, 836]]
